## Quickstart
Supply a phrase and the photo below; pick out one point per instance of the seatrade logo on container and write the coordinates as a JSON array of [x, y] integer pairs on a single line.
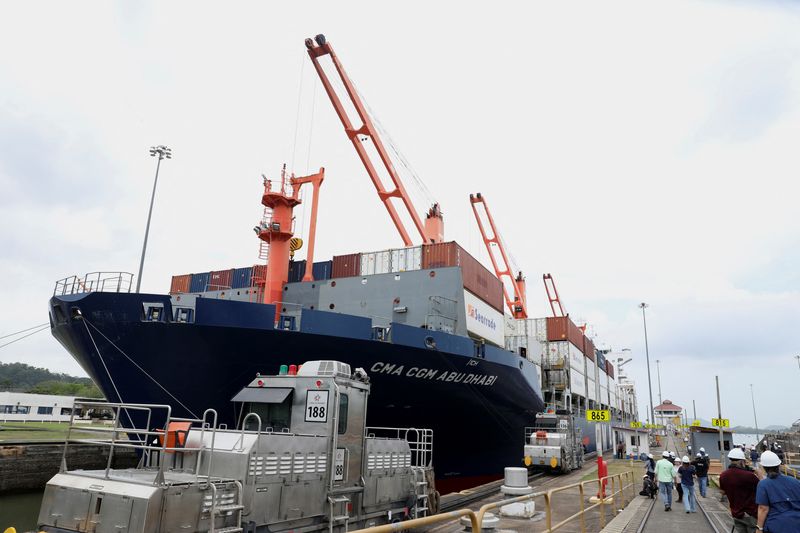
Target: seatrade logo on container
[[475, 314]]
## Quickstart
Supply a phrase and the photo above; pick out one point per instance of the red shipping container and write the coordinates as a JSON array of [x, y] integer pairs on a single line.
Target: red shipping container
[[346, 266], [588, 348], [561, 328], [477, 278], [609, 369], [180, 284], [220, 280], [259, 276]]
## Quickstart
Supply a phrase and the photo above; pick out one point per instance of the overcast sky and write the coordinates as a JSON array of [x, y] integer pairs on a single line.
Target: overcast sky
[[639, 151]]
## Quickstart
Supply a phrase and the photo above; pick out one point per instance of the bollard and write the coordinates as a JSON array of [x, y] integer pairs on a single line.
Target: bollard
[[516, 484]]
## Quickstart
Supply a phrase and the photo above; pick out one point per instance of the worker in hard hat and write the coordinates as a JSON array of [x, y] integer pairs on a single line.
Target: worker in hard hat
[[686, 474], [701, 464], [739, 483], [778, 498], [664, 477], [676, 464]]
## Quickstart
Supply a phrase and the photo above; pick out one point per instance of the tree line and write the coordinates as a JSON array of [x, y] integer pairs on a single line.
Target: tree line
[[19, 377]]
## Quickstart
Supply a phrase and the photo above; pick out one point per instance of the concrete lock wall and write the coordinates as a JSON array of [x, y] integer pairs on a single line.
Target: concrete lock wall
[[30, 466]]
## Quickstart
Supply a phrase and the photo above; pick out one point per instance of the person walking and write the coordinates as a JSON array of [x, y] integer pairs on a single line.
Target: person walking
[[701, 466], [778, 498], [739, 483], [665, 477], [620, 450], [686, 474], [676, 463]]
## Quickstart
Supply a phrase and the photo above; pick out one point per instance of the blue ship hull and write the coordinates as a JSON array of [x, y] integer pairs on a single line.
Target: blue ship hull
[[477, 404]]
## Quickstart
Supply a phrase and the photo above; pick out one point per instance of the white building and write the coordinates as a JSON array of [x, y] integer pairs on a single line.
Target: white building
[[24, 407], [668, 414]]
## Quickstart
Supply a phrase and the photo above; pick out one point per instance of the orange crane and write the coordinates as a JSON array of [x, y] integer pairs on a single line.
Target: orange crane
[[518, 306], [552, 295], [432, 229]]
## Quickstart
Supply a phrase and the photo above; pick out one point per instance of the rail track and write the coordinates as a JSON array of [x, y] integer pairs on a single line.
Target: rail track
[[646, 526]]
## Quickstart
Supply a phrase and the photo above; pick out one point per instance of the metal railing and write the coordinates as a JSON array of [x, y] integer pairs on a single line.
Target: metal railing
[[94, 282], [619, 483], [152, 443], [420, 441]]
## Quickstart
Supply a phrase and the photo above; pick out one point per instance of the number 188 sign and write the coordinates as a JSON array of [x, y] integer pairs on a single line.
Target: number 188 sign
[[317, 406]]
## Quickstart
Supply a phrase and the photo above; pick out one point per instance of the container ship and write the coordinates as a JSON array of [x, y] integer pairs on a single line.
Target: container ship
[[446, 342]]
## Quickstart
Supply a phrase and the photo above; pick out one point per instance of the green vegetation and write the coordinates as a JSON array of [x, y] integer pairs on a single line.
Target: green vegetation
[[40, 431], [19, 377], [615, 466]]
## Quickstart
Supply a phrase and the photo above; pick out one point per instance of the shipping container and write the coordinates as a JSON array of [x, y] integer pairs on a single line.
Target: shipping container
[[609, 369], [588, 347], [562, 328], [322, 270], [483, 320], [220, 279], [601, 362], [592, 389], [180, 284], [476, 277], [406, 259], [296, 271], [200, 282], [577, 384], [241, 277], [346, 266], [259, 275], [576, 359], [376, 263]]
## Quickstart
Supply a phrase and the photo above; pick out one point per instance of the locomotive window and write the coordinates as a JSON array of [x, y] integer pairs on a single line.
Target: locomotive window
[[273, 415], [343, 403]]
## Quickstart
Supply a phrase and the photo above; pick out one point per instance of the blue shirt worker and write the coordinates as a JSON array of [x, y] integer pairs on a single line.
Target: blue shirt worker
[[778, 498], [664, 478], [686, 472]]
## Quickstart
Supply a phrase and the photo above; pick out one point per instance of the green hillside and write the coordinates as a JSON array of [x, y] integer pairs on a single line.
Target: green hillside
[[19, 377]]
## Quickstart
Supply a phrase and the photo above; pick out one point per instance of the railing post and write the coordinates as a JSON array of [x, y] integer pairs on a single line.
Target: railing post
[[583, 508], [602, 503], [547, 510]]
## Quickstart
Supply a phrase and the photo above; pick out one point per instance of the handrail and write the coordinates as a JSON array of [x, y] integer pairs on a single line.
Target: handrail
[[476, 517], [94, 282], [240, 442]]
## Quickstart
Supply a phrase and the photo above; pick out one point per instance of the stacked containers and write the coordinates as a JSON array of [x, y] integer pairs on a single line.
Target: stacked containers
[[561, 328], [346, 266], [200, 282], [241, 277], [180, 284], [220, 280], [407, 259], [588, 348], [259, 275], [476, 278], [376, 263]]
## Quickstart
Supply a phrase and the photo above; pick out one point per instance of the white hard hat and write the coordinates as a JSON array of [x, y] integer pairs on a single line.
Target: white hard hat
[[702, 450], [736, 454], [769, 458], [699, 454], [678, 460], [650, 455], [665, 453], [685, 458]]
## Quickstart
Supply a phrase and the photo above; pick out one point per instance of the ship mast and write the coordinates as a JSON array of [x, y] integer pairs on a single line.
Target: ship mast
[[433, 228], [518, 306], [277, 229]]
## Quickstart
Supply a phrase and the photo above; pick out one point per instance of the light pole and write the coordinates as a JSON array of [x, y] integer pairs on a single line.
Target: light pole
[[643, 306], [162, 152], [658, 372], [755, 419], [621, 361], [798, 360]]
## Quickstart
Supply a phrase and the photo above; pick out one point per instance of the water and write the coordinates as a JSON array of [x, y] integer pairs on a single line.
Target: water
[[20, 510]]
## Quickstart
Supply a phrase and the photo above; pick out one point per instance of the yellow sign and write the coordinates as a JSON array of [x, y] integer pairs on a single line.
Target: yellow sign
[[598, 415], [695, 422], [636, 424], [653, 426], [720, 422]]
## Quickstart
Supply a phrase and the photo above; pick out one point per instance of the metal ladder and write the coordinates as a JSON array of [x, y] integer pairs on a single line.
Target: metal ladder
[[342, 519], [218, 510], [420, 492]]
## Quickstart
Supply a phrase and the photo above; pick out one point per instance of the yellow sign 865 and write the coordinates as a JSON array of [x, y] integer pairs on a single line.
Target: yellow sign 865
[[598, 415]]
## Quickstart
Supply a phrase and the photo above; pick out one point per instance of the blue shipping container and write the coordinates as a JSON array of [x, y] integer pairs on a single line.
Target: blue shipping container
[[321, 270], [241, 277], [200, 282]]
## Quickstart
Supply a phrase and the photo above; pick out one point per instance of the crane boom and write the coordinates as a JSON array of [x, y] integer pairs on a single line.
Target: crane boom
[[552, 295], [432, 229], [518, 306]]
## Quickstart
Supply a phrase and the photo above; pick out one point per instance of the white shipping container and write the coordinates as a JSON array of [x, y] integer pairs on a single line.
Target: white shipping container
[[603, 395], [592, 389], [483, 320], [376, 263], [577, 384], [558, 353], [576, 358], [540, 325], [404, 259]]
